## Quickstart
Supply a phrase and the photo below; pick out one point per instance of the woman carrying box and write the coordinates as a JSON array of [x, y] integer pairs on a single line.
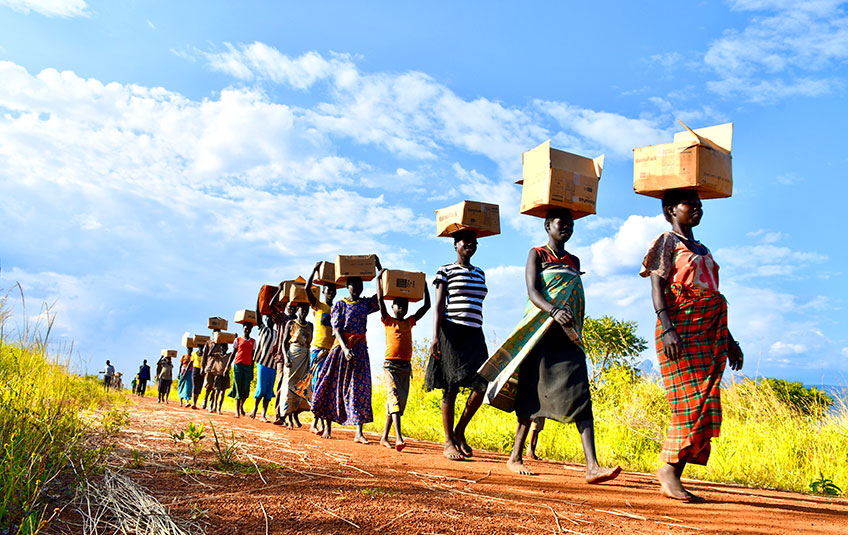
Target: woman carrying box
[[343, 391], [459, 346], [296, 340], [693, 342], [540, 370], [185, 387]]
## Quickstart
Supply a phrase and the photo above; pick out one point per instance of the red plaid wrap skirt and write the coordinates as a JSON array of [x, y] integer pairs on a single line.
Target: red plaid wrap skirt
[[692, 382]]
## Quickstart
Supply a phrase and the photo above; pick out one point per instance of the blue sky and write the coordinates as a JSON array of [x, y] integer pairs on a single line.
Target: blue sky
[[160, 161]]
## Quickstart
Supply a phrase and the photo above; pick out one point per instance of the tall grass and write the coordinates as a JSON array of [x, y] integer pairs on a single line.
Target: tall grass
[[42, 430]]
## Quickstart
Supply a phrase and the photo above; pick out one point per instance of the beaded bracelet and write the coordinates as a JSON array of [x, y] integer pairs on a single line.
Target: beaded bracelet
[[672, 328], [553, 311]]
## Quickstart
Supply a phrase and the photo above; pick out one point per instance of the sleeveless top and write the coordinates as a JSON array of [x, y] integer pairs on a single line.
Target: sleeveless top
[[244, 351], [300, 334], [547, 256]]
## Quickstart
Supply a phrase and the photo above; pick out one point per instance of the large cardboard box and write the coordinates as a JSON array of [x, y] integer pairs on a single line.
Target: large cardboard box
[[223, 338], [697, 159], [188, 341], [554, 178], [201, 339], [266, 293], [483, 218], [297, 293], [217, 323], [397, 283], [246, 316], [326, 275], [170, 353], [362, 266]]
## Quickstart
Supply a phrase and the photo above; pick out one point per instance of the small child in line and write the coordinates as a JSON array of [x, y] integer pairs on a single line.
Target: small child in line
[[397, 369]]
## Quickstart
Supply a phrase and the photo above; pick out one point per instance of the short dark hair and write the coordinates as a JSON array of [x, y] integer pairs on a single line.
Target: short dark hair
[[461, 235], [673, 197], [351, 279], [557, 213]]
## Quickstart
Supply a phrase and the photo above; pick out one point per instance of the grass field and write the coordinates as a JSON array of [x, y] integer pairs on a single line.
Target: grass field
[[764, 442], [45, 433]]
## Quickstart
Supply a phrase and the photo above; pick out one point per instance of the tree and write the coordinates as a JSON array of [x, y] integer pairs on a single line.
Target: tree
[[610, 343], [807, 401]]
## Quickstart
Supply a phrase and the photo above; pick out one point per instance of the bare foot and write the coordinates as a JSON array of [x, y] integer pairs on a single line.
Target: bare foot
[[361, 439], [463, 446], [278, 421], [265, 419], [385, 442], [671, 487], [236, 415], [518, 467], [532, 455], [326, 434], [253, 416], [599, 475], [399, 445], [452, 453], [319, 432]]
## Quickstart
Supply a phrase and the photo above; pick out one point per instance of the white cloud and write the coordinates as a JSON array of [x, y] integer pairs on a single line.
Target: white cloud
[[780, 54], [610, 131], [782, 349], [766, 260], [624, 250], [49, 8]]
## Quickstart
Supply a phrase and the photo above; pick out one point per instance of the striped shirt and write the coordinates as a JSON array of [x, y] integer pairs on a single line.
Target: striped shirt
[[265, 342], [466, 289]]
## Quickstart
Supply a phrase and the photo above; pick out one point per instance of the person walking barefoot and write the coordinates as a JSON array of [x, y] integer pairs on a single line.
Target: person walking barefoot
[[540, 371], [693, 341], [459, 345], [397, 369]]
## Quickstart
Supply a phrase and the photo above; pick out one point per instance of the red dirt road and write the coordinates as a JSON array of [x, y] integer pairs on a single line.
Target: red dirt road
[[312, 485]]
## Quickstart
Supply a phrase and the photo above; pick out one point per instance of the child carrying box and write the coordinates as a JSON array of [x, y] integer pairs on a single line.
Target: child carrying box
[[397, 369]]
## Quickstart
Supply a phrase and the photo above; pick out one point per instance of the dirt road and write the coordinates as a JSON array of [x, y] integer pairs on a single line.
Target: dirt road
[[306, 484]]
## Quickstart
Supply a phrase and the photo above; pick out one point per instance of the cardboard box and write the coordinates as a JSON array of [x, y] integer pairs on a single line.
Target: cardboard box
[[246, 316], [297, 294], [482, 218], [285, 289], [201, 339], [217, 323], [397, 283], [326, 275], [362, 266], [170, 353], [557, 179], [266, 293], [223, 338], [188, 341], [697, 159]]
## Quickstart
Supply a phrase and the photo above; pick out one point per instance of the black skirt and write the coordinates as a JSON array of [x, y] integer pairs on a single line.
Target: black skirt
[[553, 381], [463, 352]]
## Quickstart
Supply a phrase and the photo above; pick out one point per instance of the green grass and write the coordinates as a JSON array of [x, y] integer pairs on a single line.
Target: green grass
[[44, 432], [763, 442]]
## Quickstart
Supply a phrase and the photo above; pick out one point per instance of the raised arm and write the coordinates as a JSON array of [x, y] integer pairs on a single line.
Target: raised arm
[[425, 307], [312, 301], [377, 263], [259, 321], [383, 312]]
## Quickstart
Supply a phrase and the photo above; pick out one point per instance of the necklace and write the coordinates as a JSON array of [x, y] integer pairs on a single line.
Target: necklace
[[555, 253]]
